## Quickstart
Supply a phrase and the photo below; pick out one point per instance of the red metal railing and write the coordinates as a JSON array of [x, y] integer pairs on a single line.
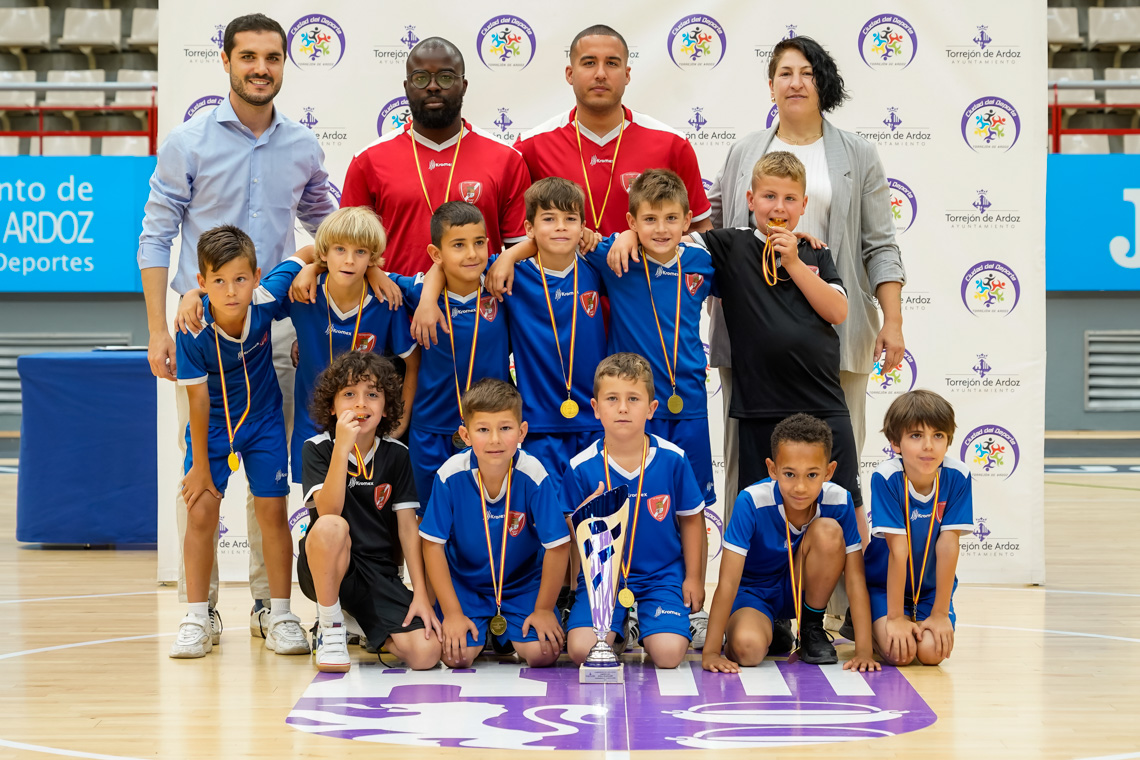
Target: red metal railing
[[151, 111], [1057, 109]]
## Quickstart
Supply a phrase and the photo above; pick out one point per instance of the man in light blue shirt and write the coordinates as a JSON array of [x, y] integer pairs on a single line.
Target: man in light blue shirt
[[244, 164]]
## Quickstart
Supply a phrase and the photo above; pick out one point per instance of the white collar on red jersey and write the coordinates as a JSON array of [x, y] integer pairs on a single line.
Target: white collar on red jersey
[[449, 142]]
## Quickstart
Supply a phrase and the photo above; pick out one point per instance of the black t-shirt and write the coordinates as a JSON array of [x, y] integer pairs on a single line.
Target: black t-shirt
[[370, 504], [785, 357]]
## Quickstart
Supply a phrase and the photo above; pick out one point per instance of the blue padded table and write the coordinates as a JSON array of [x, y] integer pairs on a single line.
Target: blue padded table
[[88, 459]]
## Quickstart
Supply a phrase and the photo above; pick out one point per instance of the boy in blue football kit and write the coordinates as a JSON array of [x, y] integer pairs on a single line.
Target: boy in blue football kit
[[342, 316], [362, 510], [495, 541], [789, 538], [477, 344], [235, 416], [663, 563], [921, 502]]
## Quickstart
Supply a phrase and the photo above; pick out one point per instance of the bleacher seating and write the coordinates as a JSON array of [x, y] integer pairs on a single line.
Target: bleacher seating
[[1115, 29], [61, 146], [135, 97], [1063, 30], [25, 28], [144, 29], [1084, 144], [9, 146], [79, 97], [84, 28], [1072, 96], [125, 146], [1128, 97], [17, 97], [1132, 143]]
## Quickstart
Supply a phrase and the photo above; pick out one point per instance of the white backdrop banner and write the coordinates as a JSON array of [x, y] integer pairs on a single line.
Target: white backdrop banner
[[940, 89]]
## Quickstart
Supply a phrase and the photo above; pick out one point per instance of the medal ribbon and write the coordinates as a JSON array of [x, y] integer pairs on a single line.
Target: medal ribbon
[[672, 369], [916, 591], [610, 185], [450, 174], [360, 465], [797, 591], [627, 560], [497, 586], [567, 376], [769, 255], [474, 343], [359, 311], [232, 429]]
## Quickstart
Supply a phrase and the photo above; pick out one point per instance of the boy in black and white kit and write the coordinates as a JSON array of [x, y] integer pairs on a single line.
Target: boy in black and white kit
[[362, 501]]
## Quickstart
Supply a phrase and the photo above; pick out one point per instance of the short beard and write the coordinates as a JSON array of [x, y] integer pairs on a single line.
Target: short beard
[[444, 117], [238, 86]]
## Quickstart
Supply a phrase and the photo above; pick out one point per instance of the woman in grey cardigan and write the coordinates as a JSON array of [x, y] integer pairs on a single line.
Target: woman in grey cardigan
[[848, 208]]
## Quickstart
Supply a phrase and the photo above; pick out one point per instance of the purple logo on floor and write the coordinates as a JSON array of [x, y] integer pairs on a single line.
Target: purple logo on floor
[[507, 706]]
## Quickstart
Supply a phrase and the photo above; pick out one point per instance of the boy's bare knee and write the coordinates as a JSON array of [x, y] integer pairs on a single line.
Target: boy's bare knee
[[749, 647], [329, 531], [828, 531]]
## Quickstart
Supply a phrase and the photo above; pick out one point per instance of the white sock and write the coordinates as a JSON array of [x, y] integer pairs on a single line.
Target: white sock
[[331, 615], [201, 609], [279, 607]]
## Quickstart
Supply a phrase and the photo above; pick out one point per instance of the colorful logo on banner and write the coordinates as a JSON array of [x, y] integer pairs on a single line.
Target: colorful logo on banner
[[315, 42], [697, 42], [298, 526], [991, 123], [888, 42], [714, 528], [773, 112], [904, 204], [506, 42], [990, 287], [893, 381], [507, 706], [990, 451], [394, 115], [206, 102]]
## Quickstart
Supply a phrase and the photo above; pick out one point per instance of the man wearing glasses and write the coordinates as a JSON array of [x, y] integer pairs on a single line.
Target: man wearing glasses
[[409, 172]]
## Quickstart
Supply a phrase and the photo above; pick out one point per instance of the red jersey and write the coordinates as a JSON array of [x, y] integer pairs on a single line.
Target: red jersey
[[488, 174], [551, 150]]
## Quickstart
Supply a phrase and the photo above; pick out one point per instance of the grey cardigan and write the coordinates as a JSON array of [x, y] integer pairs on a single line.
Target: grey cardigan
[[861, 229]]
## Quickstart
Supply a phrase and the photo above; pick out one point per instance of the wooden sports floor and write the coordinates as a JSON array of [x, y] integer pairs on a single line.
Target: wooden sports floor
[[1050, 672]]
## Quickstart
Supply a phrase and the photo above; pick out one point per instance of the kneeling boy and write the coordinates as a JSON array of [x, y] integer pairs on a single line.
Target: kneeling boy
[[362, 501], [789, 538], [495, 542], [921, 502]]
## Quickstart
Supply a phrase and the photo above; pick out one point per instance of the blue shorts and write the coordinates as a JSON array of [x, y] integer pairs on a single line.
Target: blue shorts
[[555, 450], [878, 596], [428, 452], [660, 609], [692, 436], [774, 602], [481, 608], [261, 443]]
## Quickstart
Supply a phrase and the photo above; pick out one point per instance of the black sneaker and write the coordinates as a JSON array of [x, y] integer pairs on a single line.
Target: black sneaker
[[816, 647], [500, 645], [782, 639], [847, 630]]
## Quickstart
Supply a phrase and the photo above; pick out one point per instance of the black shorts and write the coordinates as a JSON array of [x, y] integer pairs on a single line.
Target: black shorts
[[370, 593], [756, 447]]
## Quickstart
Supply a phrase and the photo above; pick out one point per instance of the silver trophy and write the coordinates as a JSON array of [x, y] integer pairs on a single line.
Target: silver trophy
[[599, 526]]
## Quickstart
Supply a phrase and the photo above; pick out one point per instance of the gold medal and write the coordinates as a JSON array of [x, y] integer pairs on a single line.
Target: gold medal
[[676, 404], [625, 598], [457, 441], [569, 408], [235, 461], [498, 625], [231, 429]]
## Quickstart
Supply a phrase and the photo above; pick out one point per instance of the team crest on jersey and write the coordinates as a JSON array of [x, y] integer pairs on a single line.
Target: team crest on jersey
[[659, 507], [471, 190], [382, 493], [590, 303], [939, 510], [627, 179], [814, 270], [488, 308], [517, 523], [365, 343], [693, 282]]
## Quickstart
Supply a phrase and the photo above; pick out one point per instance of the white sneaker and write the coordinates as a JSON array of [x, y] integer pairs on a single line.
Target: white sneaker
[[285, 635], [332, 649], [193, 638], [698, 625], [215, 626], [259, 619]]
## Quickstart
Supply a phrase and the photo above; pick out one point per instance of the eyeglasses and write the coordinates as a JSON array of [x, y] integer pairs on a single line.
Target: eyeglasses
[[445, 79]]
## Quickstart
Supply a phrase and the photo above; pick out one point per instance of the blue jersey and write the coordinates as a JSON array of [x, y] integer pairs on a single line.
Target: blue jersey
[[541, 377], [758, 530], [669, 492], [632, 327], [435, 408], [954, 511], [381, 330], [197, 355], [454, 517]]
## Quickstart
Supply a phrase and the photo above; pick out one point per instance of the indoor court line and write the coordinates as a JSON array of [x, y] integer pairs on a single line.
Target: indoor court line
[[1047, 630], [1047, 590], [84, 596], [10, 655], [68, 752]]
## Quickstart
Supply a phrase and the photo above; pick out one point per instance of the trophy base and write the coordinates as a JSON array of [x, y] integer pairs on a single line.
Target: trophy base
[[602, 674]]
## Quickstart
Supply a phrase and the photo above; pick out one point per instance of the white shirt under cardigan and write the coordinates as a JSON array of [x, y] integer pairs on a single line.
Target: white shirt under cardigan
[[814, 220]]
